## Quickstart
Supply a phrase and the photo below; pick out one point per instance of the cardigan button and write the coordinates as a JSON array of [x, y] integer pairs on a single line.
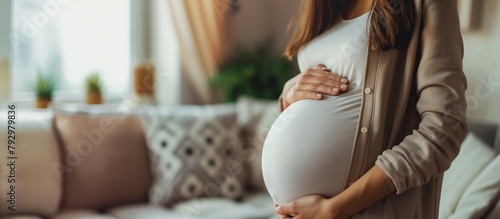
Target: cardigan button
[[364, 130], [368, 90]]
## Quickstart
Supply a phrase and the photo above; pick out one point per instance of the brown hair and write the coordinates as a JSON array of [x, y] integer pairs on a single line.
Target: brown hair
[[390, 25]]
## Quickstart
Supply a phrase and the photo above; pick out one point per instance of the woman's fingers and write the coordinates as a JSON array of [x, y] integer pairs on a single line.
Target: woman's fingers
[[288, 209], [313, 83], [327, 74], [276, 212], [317, 81], [333, 89], [344, 88], [303, 94], [325, 78]]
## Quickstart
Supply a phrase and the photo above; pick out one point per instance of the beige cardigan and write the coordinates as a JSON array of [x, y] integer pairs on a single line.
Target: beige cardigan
[[412, 120]]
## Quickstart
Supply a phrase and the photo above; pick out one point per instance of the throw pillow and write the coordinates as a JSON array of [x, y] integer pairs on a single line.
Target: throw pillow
[[473, 157], [195, 152], [105, 160], [482, 193]]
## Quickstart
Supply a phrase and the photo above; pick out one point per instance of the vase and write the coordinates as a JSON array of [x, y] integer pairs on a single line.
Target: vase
[[144, 80]]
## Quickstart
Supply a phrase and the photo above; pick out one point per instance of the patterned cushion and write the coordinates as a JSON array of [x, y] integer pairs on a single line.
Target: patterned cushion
[[195, 152]]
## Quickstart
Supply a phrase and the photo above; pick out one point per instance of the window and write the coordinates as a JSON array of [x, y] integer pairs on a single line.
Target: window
[[69, 39]]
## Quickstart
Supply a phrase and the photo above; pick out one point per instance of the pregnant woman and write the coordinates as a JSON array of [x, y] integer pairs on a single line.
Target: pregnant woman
[[377, 114]]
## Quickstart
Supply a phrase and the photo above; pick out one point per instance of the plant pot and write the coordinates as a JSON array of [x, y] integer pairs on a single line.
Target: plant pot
[[42, 103], [94, 97]]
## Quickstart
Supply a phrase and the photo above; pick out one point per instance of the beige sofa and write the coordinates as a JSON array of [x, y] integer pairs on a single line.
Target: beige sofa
[[112, 180]]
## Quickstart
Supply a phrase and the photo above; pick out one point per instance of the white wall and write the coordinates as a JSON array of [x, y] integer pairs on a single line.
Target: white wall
[[4, 28], [260, 20], [482, 64]]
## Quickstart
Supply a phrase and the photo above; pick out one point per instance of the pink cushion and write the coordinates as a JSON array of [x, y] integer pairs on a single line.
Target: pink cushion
[[105, 158]]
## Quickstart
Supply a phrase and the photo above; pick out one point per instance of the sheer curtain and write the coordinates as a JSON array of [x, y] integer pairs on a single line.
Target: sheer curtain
[[165, 54], [185, 66], [4, 79]]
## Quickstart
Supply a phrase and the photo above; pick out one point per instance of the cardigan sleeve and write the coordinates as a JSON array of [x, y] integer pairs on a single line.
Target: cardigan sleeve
[[441, 85]]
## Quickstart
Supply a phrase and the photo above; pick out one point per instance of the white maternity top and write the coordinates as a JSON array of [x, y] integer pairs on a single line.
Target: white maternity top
[[308, 148]]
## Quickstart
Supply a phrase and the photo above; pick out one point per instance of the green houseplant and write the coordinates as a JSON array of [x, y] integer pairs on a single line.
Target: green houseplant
[[258, 73], [94, 91], [44, 89]]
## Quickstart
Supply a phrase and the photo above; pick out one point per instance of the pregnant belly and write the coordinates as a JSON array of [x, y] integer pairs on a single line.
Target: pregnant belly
[[308, 148]]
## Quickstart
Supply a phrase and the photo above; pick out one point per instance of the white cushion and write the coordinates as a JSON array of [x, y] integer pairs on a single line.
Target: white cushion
[[258, 205], [144, 211], [481, 194], [473, 157]]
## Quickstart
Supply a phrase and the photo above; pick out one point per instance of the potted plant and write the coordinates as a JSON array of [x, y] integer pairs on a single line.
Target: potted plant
[[94, 95], [258, 73], [44, 89]]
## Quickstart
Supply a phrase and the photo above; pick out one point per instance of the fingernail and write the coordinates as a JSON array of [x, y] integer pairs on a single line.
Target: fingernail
[[278, 209], [343, 86], [335, 89], [343, 80], [318, 95]]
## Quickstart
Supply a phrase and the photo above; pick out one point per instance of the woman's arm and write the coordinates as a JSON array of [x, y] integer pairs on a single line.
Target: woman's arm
[[370, 188], [441, 104]]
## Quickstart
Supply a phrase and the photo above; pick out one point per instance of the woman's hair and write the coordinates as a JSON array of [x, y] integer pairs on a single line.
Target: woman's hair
[[390, 26]]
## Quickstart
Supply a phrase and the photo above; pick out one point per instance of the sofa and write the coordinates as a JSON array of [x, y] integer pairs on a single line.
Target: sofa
[[59, 174]]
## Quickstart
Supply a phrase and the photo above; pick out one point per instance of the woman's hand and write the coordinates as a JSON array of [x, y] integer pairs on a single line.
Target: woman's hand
[[276, 213], [312, 84], [370, 188], [313, 206]]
